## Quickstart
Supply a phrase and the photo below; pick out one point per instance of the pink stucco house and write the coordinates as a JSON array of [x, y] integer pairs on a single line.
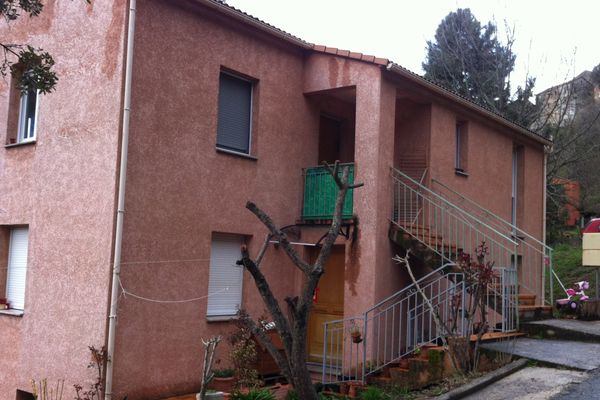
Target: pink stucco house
[[223, 109]]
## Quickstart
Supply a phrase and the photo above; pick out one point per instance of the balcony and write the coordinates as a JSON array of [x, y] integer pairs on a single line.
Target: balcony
[[320, 192]]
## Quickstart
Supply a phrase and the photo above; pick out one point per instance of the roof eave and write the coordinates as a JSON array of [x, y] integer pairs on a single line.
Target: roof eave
[[466, 103], [254, 22]]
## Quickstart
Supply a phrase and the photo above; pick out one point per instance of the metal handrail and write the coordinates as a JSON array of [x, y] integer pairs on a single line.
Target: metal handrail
[[546, 253], [448, 203], [489, 213], [460, 216]]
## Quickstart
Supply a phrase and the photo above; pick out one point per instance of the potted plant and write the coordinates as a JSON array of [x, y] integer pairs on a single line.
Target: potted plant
[[223, 380], [356, 334]]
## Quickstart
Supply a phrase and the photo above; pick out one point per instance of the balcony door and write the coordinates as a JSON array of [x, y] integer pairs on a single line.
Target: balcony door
[[330, 135]]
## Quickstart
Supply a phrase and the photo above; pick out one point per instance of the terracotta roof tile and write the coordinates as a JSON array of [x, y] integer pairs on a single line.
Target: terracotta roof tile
[[331, 50], [381, 61], [354, 55], [368, 58], [318, 48]]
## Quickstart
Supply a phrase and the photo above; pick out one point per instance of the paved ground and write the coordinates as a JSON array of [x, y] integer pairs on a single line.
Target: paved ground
[[588, 389], [588, 327], [577, 355], [532, 383]]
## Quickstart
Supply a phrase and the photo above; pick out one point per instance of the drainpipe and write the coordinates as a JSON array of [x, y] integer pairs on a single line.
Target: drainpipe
[[547, 149], [114, 293]]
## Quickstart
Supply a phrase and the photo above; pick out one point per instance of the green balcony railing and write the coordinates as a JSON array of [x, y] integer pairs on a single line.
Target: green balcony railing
[[320, 193]]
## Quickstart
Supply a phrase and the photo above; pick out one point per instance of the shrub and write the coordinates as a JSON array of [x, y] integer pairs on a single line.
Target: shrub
[[223, 373], [262, 394], [373, 393]]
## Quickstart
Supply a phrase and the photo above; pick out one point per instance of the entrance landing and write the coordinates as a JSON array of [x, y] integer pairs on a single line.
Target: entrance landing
[[576, 355]]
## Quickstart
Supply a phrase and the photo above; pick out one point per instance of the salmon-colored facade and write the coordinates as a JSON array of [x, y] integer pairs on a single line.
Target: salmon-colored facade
[[182, 189]]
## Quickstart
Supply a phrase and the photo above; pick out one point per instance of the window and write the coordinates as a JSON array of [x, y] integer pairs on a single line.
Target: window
[[460, 160], [17, 267], [235, 113], [23, 110], [225, 277], [28, 116]]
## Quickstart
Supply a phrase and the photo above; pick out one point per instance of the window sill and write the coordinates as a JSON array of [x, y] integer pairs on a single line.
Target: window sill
[[236, 153], [222, 318], [12, 313], [461, 172], [26, 143]]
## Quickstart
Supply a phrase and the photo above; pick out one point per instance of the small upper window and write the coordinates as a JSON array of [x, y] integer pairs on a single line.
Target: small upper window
[[28, 116], [460, 160], [22, 113], [235, 113]]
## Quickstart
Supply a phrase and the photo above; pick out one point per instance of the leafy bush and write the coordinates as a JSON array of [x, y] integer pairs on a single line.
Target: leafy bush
[[373, 393], [262, 394], [292, 395], [223, 373]]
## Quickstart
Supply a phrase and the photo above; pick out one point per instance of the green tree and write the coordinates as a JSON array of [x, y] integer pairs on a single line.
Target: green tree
[[467, 58], [32, 67]]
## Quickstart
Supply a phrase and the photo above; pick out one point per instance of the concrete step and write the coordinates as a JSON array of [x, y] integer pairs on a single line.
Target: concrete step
[[534, 313], [564, 329], [526, 299]]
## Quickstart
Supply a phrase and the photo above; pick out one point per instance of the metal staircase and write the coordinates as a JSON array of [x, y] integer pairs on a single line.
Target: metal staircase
[[444, 225], [402, 323], [534, 255]]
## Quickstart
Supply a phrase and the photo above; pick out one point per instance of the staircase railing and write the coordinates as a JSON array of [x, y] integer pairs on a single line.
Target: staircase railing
[[389, 330], [444, 227], [403, 322], [536, 257]]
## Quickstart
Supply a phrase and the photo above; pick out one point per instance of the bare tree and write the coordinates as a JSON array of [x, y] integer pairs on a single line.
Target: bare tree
[[292, 326]]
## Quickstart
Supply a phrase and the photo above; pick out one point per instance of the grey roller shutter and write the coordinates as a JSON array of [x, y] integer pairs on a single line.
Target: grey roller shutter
[[235, 109]]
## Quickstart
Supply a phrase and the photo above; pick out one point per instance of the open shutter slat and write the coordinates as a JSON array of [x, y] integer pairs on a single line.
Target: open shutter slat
[[225, 278]]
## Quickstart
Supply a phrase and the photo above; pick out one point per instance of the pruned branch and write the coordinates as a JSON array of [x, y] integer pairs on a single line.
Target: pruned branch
[[266, 342], [293, 329], [269, 299], [280, 236]]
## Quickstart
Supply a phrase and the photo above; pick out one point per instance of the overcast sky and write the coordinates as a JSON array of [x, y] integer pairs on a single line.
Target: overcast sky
[[555, 39]]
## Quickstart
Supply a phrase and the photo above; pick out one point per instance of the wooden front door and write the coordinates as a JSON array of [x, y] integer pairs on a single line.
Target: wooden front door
[[329, 303]]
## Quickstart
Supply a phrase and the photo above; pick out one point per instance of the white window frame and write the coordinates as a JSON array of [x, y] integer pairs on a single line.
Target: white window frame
[[236, 273], [252, 84], [10, 273], [23, 135]]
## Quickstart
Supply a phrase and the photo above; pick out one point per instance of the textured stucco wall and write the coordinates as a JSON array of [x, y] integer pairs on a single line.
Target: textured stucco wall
[[63, 187], [489, 166], [180, 189]]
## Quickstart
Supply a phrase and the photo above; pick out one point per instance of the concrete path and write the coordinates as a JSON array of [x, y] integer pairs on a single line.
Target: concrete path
[[591, 328], [532, 383], [577, 355], [588, 389]]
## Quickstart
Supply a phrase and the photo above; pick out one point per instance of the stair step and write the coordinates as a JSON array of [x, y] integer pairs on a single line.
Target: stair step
[[530, 313], [526, 299], [397, 373]]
